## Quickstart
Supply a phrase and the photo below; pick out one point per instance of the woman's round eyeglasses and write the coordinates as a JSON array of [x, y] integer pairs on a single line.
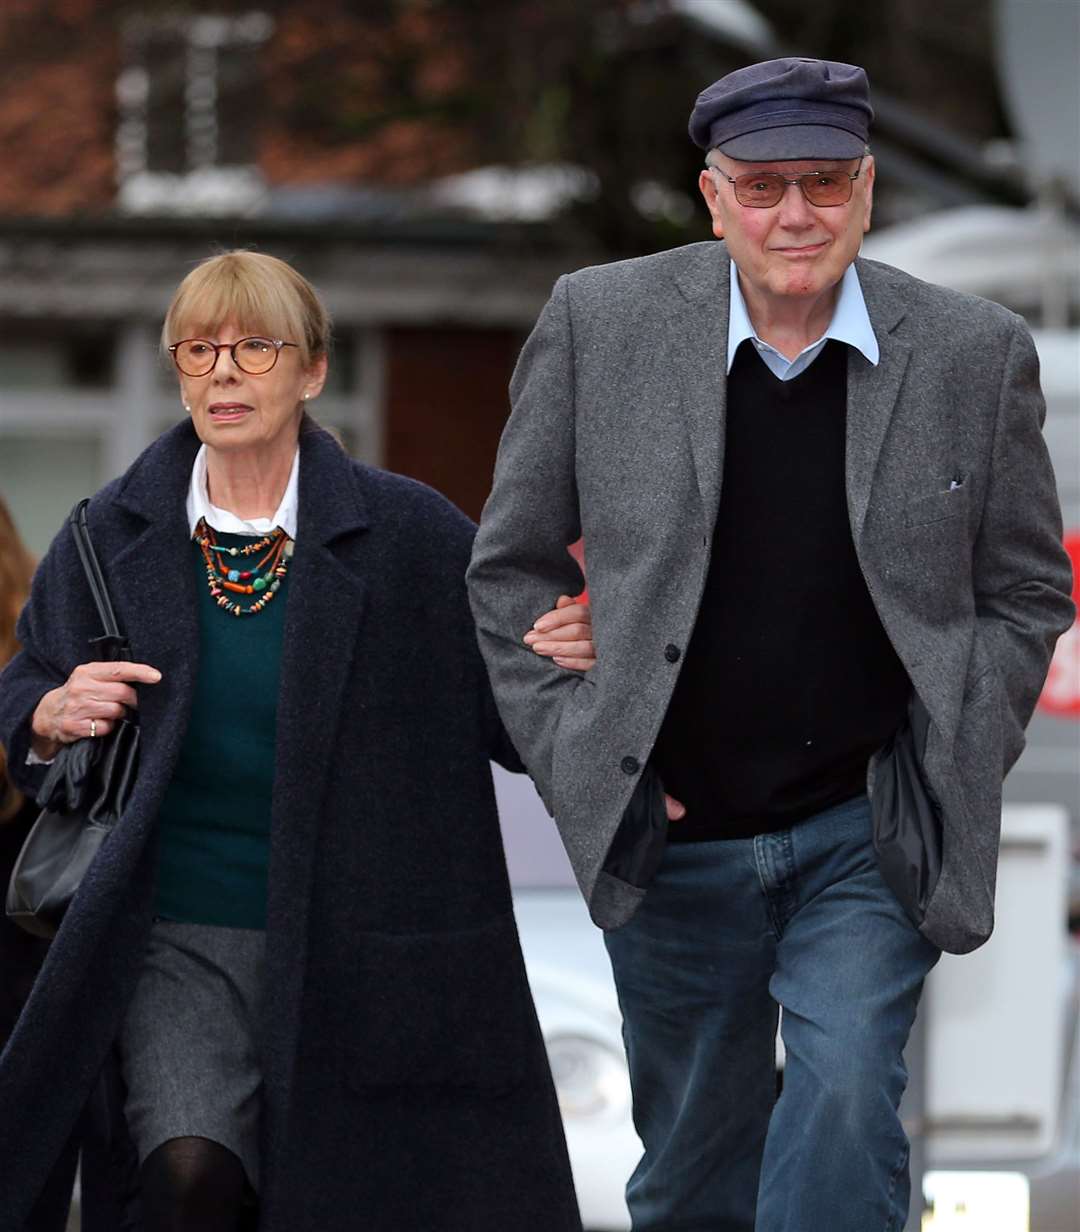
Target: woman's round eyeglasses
[[762, 189], [198, 357]]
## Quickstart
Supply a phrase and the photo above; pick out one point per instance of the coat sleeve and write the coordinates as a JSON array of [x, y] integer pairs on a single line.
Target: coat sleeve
[[1022, 576], [44, 632], [520, 563]]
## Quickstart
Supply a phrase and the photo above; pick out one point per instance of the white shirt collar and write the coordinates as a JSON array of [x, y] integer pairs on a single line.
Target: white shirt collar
[[199, 506], [850, 323]]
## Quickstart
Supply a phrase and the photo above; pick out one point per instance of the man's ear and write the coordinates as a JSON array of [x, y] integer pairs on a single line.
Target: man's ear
[[868, 190], [707, 184]]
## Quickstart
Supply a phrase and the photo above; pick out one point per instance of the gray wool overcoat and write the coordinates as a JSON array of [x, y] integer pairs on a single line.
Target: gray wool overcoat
[[617, 435], [406, 1083]]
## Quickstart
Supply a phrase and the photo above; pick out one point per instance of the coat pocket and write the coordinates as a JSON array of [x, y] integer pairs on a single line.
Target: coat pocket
[[960, 914], [439, 1009], [937, 506], [907, 816], [637, 849]]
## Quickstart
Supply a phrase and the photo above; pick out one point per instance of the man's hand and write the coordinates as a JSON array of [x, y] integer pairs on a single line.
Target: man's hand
[[675, 810], [89, 703], [564, 635]]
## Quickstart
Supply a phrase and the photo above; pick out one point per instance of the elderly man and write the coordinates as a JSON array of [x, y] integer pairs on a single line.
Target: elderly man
[[815, 500]]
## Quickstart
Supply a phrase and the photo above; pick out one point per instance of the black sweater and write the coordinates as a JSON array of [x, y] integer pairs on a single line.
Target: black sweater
[[790, 682]]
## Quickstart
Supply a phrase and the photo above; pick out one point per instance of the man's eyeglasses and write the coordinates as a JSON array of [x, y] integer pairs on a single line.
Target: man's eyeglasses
[[198, 357], [762, 189]]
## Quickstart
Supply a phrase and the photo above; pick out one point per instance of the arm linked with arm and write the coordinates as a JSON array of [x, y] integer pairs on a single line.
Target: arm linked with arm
[[520, 561], [1022, 575]]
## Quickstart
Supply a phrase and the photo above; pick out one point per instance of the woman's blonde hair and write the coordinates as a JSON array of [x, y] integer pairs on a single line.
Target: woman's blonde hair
[[16, 569], [256, 291]]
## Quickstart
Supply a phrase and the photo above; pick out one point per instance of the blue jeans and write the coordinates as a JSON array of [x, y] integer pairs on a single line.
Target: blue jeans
[[728, 932]]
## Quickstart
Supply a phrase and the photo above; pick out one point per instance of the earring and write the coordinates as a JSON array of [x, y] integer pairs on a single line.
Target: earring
[[306, 396], [187, 407]]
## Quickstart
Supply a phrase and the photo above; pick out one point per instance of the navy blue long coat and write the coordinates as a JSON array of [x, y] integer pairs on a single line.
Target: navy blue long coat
[[406, 1081]]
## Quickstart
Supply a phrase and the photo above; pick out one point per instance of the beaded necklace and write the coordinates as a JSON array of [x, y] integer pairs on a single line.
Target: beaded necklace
[[263, 579]]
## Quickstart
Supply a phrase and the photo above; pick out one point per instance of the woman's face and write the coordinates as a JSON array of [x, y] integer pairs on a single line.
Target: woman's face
[[235, 411]]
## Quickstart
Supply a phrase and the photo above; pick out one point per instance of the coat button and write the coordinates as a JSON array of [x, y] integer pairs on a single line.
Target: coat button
[[630, 765], [672, 653]]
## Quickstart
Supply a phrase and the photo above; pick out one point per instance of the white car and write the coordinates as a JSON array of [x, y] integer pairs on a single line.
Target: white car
[[575, 1001]]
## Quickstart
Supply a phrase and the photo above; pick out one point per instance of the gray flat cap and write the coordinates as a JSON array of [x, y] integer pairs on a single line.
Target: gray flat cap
[[785, 109]]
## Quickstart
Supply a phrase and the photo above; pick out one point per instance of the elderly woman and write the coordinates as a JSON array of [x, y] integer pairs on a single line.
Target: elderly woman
[[298, 944]]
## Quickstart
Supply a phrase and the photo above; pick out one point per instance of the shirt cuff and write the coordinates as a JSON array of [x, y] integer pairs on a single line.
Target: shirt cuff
[[32, 759]]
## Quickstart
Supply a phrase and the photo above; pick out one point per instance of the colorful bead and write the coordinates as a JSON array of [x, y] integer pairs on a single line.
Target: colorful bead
[[256, 581]]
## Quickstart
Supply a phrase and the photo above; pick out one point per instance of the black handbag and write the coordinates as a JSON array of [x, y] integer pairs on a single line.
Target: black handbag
[[907, 816], [85, 789]]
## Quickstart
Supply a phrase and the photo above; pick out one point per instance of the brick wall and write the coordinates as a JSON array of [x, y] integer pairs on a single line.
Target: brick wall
[[446, 404]]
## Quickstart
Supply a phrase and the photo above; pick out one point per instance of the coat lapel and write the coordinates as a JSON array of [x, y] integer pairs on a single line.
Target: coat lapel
[[322, 622], [153, 583], [872, 391], [697, 338], [326, 600]]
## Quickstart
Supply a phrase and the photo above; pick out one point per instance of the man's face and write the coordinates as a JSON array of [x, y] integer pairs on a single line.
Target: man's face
[[791, 249]]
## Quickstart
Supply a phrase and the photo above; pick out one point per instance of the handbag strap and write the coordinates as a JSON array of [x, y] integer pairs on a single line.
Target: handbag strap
[[96, 579]]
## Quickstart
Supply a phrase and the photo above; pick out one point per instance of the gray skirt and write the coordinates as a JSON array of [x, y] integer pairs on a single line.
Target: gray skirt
[[189, 1044]]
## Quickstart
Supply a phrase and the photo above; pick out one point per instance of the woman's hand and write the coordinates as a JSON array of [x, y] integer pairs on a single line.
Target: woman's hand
[[564, 635], [89, 703]]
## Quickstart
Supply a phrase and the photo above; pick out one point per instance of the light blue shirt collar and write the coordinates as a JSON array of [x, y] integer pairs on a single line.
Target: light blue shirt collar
[[850, 323]]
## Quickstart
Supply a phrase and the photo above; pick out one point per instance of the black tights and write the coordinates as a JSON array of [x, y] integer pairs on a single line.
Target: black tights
[[193, 1185]]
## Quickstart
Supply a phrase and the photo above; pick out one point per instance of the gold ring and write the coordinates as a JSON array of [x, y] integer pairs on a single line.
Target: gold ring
[[93, 728]]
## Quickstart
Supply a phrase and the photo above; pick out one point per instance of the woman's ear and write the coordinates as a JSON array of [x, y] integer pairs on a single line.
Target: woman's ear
[[315, 377]]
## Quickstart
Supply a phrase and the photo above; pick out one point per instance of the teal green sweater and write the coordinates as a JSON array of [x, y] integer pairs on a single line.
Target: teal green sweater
[[215, 820]]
